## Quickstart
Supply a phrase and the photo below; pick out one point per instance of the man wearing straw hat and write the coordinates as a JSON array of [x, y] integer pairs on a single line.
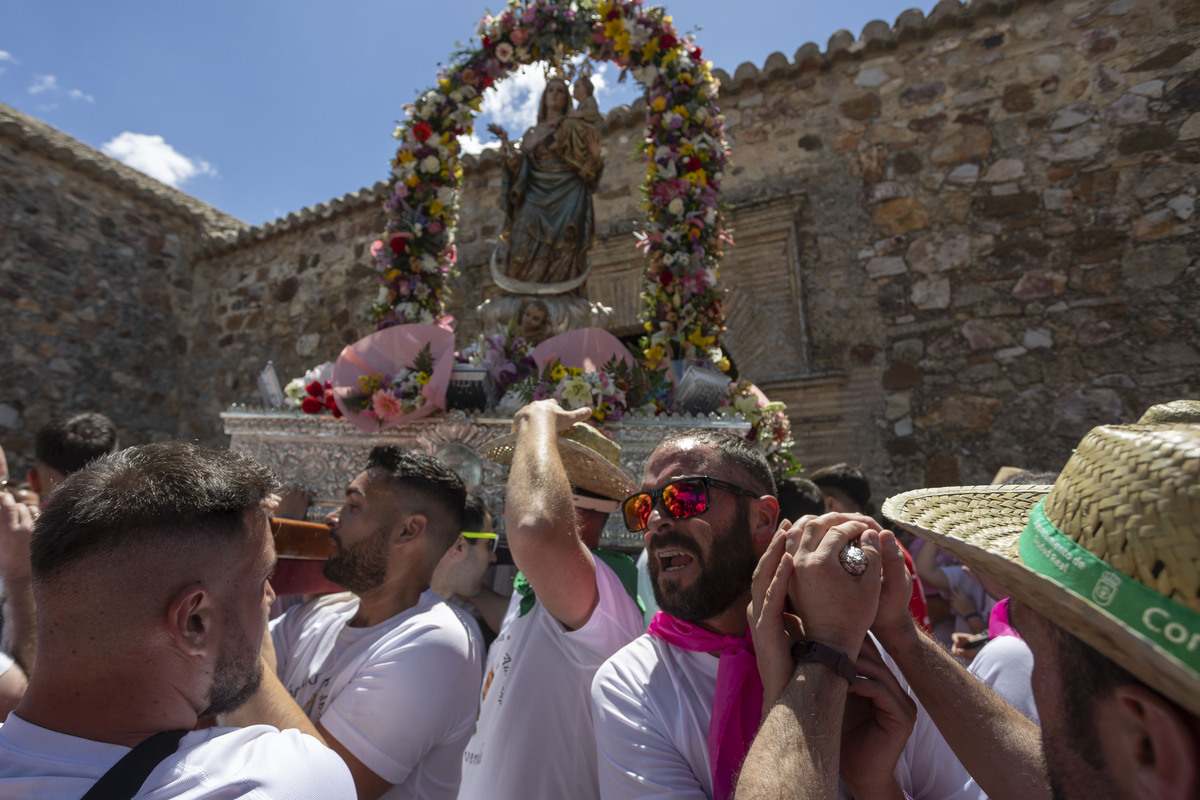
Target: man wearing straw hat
[[1104, 571], [572, 608]]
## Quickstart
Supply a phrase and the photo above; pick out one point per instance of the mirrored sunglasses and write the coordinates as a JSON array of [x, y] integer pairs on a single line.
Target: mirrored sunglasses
[[687, 497], [494, 537]]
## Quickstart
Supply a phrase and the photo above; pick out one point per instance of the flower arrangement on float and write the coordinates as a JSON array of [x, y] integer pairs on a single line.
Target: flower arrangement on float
[[312, 393], [684, 144], [389, 396], [617, 388], [770, 429]]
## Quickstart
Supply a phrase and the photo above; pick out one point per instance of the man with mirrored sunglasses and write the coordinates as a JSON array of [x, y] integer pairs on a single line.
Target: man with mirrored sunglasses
[[676, 710]]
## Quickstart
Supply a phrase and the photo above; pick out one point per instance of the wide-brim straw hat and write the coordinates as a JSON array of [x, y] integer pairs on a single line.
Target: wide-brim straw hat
[[1112, 555], [591, 459]]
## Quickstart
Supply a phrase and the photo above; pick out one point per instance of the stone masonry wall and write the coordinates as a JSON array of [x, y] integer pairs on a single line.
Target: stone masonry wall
[[961, 241]]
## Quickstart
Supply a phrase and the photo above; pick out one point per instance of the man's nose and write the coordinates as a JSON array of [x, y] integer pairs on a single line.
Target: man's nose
[[331, 519]]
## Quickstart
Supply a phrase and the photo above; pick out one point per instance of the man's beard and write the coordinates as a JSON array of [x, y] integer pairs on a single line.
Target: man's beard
[[362, 567], [235, 680], [720, 584]]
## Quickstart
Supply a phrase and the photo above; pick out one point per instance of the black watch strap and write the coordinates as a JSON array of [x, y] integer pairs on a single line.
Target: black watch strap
[[836, 661]]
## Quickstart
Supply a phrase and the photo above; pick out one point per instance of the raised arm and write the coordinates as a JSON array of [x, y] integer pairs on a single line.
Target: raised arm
[[998, 745], [929, 572], [540, 516]]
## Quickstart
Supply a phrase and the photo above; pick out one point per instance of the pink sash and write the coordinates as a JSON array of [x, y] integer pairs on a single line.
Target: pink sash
[[737, 706], [998, 624]]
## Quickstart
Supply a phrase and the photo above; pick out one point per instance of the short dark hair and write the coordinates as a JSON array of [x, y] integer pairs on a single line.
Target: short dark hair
[[798, 497], [152, 494], [474, 512], [68, 444], [430, 478], [847, 479], [747, 458]]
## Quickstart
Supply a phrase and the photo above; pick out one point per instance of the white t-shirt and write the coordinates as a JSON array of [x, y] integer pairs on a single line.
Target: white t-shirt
[[399, 695], [5, 662], [258, 762], [646, 588], [534, 734], [652, 704], [1006, 664]]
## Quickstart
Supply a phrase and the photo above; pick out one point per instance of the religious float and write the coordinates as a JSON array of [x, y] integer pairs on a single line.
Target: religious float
[[411, 383]]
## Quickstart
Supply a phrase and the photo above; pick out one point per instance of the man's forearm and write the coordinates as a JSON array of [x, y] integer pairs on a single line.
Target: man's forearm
[[796, 752], [998, 745]]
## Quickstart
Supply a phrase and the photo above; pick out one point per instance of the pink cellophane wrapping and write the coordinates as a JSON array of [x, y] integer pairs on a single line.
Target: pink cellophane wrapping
[[587, 348], [387, 352]]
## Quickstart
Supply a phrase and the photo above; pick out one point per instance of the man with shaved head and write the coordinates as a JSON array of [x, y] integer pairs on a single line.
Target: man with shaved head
[[150, 570]]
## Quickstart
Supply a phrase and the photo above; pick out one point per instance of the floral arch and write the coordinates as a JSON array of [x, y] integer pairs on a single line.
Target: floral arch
[[684, 145]]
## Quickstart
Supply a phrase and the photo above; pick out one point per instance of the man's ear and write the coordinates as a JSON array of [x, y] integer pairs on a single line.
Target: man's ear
[[763, 518], [190, 619], [1150, 742], [413, 529]]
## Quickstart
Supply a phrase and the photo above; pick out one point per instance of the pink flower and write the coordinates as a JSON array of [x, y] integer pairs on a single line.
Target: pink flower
[[519, 37], [504, 52], [385, 406]]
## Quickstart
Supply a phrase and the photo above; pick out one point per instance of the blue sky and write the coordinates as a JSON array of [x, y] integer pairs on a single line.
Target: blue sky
[[263, 107]]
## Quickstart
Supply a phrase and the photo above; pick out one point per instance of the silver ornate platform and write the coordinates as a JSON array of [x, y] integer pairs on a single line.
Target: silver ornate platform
[[324, 454]]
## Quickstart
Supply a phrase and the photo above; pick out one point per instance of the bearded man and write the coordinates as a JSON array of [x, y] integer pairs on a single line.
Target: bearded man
[[676, 710], [387, 671]]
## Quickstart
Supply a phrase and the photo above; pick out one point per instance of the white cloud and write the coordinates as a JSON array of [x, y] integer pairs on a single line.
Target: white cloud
[[75, 94], [153, 156], [7, 56], [513, 103], [43, 83]]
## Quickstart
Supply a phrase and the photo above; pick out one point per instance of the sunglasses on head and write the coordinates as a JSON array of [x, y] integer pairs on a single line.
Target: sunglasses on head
[[494, 537], [687, 497]]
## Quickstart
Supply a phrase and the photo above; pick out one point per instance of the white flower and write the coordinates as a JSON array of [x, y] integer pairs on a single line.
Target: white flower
[[382, 297], [504, 52], [457, 95], [576, 393], [431, 164], [319, 373], [428, 263], [296, 391], [675, 206]]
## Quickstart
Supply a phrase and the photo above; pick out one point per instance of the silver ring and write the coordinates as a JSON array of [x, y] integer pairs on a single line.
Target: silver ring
[[853, 559]]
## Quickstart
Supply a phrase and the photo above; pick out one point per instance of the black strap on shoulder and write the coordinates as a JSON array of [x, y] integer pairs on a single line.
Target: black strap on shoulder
[[125, 778]]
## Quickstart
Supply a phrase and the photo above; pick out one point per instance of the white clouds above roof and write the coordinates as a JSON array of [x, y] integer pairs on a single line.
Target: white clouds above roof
[[152, 155], [43, 83]]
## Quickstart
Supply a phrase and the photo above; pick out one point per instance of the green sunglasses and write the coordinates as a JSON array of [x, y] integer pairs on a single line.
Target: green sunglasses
[[495, 537]]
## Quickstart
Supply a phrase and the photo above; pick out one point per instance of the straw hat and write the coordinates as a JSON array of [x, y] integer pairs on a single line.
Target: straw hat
[[592, 460], [1111, 555]]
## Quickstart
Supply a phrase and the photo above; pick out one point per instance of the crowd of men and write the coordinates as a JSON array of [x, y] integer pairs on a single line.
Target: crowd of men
[[141, 657]]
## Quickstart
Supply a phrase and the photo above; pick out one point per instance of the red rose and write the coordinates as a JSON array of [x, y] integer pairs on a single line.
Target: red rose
[[697, 54], [614, 14], [665, 277], [693, 164], [667, 41], [337, 413], [422, 131], [315, 389], [398, 244], [486, 81], [330, 403], [312, 405]]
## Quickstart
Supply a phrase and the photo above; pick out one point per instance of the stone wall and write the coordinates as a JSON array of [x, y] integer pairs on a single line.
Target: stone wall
[[961, 241]]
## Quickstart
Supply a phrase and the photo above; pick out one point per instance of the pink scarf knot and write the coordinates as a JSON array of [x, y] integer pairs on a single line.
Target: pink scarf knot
[[737, 705]]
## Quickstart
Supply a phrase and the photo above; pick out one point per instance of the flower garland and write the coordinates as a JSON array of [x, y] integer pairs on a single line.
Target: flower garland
[[770, 429], [684, 144]]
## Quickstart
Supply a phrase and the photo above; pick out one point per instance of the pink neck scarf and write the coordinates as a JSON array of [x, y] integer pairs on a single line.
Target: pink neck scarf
[[737, 706], [998, 624]]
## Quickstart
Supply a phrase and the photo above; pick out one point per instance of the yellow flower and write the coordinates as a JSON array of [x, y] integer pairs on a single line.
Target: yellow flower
[[446, 137], [405, 156], [558, 373], [574, 372], [436, 209], [444, 84], [654, 353], [686, 149], [685, 77], [392, 274], [659, 103], [649, 49], [723, 364], [697, 178], [474, 102], [422, 378], [696, 338], [412, 181], [681, 110]]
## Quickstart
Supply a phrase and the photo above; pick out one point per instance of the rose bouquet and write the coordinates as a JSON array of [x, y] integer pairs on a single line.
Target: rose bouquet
[[313, 393]]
